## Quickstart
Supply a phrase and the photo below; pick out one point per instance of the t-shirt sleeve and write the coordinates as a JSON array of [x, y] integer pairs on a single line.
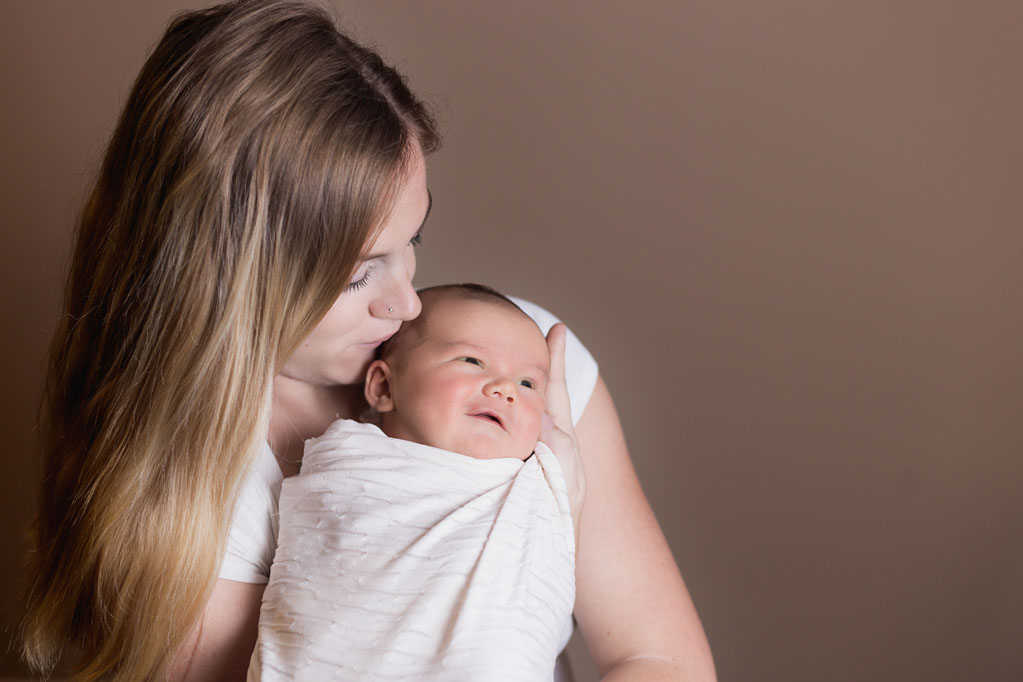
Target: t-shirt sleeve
[[252, 540], [580, 367]]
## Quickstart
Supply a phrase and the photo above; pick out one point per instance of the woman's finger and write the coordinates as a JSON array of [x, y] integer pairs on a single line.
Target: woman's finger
[[558, 406], [557, 431]]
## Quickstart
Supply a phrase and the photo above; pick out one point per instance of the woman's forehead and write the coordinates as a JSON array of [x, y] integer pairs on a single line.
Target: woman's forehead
[[407, 217]]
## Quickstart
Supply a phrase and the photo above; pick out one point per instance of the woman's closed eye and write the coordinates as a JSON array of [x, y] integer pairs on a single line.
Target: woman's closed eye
[[359, 282]]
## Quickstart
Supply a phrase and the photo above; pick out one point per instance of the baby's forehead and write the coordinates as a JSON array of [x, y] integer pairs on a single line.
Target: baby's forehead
[[482, 323], [457, 319], [451, 314]]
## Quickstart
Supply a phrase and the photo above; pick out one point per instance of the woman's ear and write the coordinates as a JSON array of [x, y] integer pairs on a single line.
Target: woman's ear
[[378, 386]]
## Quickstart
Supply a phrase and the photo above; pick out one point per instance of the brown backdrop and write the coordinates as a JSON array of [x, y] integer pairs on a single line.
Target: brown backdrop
[[789, 231]]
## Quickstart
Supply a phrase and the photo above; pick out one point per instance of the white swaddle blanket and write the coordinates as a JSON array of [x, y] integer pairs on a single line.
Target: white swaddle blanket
[[399, 561]]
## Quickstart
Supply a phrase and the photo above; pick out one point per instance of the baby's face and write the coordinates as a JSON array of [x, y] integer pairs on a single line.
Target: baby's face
[[476, 383]]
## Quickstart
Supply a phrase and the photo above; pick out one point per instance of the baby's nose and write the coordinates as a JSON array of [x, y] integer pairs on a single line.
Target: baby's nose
[[502, 388]]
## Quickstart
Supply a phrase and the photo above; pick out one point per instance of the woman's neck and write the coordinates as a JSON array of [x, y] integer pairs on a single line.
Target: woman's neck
[[301, 411]]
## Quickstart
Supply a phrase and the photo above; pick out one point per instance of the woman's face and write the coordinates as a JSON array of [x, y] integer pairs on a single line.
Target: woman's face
[[375, 302]]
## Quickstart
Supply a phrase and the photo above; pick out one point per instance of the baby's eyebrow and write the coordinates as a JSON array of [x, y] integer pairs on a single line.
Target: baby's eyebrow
[[459, 344], [472, 346]]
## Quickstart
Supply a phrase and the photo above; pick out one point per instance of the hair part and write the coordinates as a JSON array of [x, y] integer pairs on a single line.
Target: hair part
[[258, 153]]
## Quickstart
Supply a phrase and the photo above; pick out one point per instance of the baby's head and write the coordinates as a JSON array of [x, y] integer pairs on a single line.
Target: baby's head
[[468, 375]]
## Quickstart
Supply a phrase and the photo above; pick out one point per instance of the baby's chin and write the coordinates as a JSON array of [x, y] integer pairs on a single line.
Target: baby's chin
[[517, 456], [487, 443], [488, 453], [521, 454]]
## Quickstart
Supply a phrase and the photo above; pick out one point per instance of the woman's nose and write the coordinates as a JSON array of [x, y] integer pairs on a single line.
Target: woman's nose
[[398, 301], [402, 305]]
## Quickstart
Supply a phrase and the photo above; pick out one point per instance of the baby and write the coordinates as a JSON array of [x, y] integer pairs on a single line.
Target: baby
[[468, 375], [440, 545]]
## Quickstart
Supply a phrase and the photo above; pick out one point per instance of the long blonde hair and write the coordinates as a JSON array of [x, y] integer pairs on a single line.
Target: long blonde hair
[[256, 155]]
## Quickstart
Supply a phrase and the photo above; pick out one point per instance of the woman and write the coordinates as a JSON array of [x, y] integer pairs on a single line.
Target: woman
[[249, 241]]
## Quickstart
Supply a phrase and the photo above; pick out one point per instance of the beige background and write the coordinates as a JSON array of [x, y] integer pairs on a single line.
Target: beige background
[[789, 231]]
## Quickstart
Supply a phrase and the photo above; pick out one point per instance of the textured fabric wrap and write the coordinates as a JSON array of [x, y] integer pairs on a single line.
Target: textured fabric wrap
[[399, 561]]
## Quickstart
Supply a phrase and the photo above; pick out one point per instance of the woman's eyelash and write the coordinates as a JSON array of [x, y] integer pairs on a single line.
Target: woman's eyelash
[[416, 240], [359, 283]]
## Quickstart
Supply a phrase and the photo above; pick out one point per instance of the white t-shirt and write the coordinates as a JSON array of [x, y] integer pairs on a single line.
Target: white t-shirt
[[253, 537]]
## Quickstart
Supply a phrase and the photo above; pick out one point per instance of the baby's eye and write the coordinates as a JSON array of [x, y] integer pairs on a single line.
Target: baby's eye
[[527, 383], [472, 361]]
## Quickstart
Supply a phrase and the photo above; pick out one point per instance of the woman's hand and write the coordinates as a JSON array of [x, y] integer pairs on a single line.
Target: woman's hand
[[557, 431]]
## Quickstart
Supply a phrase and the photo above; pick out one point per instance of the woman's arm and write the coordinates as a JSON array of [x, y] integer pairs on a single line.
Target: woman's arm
[[632, 605], [220, 647]]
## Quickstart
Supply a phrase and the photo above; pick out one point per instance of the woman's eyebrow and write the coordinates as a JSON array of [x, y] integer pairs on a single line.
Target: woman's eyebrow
[[429, 207]]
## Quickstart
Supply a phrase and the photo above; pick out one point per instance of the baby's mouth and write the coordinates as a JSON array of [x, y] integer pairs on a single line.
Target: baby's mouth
[[491, 416]]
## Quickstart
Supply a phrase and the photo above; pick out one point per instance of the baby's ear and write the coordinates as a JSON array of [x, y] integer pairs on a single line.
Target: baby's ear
[[378, 386]]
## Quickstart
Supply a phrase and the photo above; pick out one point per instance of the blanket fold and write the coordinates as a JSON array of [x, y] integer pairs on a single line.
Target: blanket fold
[[399, 561]]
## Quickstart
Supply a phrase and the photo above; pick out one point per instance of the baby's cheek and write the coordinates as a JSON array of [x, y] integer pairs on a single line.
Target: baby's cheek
[[536, 417]]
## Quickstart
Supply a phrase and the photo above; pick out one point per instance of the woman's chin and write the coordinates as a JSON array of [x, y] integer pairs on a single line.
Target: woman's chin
[[353, 371], [346, 371]]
